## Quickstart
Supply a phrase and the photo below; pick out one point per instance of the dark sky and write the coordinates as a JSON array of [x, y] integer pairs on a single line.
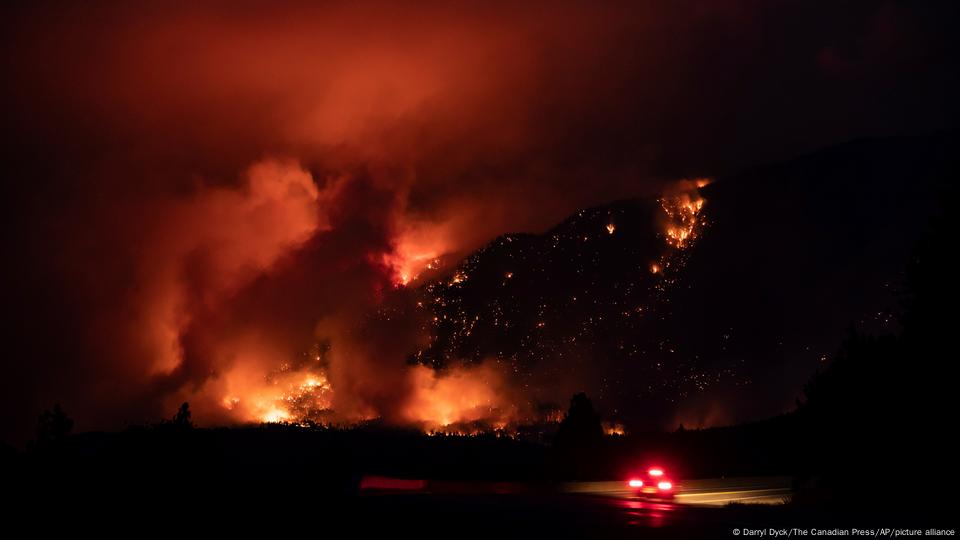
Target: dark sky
[[194, 195]]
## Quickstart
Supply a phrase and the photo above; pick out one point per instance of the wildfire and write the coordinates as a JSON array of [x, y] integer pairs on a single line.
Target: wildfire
[[554, 416], [682, 205], [682, 210], [419, 247], [464, 400], [614, 429], [460, 396], [286, 396], [460, 399], [408, 267], [274, 415]]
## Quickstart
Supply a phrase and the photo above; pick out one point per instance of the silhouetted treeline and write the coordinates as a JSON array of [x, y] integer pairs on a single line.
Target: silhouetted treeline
[[879, 422], [332, 461]]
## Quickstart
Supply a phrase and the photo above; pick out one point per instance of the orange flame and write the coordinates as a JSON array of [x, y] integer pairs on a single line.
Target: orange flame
[[682, 209], [614, 429], [287, 396]]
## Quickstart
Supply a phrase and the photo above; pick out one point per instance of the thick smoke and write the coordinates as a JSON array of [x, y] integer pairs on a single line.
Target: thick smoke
[[199, 195]]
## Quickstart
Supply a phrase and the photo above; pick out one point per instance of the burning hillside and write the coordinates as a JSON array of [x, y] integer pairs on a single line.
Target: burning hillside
[[493, 339]]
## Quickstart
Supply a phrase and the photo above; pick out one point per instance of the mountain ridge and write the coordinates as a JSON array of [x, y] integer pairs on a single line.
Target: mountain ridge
[[583, 308]]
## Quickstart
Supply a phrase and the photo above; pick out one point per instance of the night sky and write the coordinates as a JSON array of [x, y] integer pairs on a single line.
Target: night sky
[[273, 211]]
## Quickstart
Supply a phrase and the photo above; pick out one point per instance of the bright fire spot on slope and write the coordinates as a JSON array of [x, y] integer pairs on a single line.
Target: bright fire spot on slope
[[682, 224], [683, 211]]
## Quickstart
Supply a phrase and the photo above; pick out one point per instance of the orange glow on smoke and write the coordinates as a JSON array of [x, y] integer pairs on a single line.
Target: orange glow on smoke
[[418, 248], [242, 231], [459, 395], [440, 400], [407, 267]]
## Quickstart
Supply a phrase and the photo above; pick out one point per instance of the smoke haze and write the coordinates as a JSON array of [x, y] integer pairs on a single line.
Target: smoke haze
[[198, 195]]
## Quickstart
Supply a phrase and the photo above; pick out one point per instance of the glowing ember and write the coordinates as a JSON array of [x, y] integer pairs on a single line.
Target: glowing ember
[[611, 227], [555, 416]]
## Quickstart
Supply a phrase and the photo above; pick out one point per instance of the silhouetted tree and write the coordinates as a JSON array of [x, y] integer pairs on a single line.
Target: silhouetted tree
[[182, 418], [54, 427], [581, 426]]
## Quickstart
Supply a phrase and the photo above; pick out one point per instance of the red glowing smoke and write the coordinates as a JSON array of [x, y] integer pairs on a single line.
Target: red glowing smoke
[[206, 193]]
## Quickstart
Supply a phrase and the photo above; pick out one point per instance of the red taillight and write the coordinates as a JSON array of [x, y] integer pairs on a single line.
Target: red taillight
[[665, 486], [635, 483], [655, 472]]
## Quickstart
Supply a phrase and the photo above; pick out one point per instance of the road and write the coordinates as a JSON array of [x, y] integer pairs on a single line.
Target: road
[[704, 492], [574, 510]]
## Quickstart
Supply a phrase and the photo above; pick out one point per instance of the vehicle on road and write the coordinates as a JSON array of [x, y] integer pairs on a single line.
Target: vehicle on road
[[653, 483]]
